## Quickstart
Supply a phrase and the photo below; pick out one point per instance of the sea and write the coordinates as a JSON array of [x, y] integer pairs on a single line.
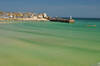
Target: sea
[[33, 43]]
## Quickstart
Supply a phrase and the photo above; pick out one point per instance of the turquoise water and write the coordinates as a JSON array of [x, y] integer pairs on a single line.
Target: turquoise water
[[50, 43]]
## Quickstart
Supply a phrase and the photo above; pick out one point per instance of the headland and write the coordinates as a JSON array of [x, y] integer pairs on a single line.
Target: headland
[[23, 16], [30, 16]]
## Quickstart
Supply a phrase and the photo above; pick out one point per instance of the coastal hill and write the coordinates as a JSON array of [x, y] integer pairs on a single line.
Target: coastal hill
[[23, 16], [30, 16]]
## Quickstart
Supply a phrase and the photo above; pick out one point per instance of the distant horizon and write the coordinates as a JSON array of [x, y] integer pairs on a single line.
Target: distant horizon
[[63, 8], [53, 15]]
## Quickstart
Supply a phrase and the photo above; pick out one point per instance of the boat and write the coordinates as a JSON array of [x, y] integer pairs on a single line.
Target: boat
[[91, 25]]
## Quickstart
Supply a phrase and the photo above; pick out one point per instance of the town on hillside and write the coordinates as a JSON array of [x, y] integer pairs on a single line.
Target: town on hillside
[[30, 16], [23, 16]]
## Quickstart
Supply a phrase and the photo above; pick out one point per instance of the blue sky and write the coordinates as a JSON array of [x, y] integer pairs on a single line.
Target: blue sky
[[76, 8]]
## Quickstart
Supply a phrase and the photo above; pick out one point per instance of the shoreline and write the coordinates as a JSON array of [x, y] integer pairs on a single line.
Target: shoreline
[[24, 19]]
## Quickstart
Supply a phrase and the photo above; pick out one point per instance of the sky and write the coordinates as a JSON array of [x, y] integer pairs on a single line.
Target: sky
[[61, 8]]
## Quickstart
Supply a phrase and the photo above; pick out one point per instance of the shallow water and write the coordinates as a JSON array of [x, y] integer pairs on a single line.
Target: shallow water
[[50, 43]]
